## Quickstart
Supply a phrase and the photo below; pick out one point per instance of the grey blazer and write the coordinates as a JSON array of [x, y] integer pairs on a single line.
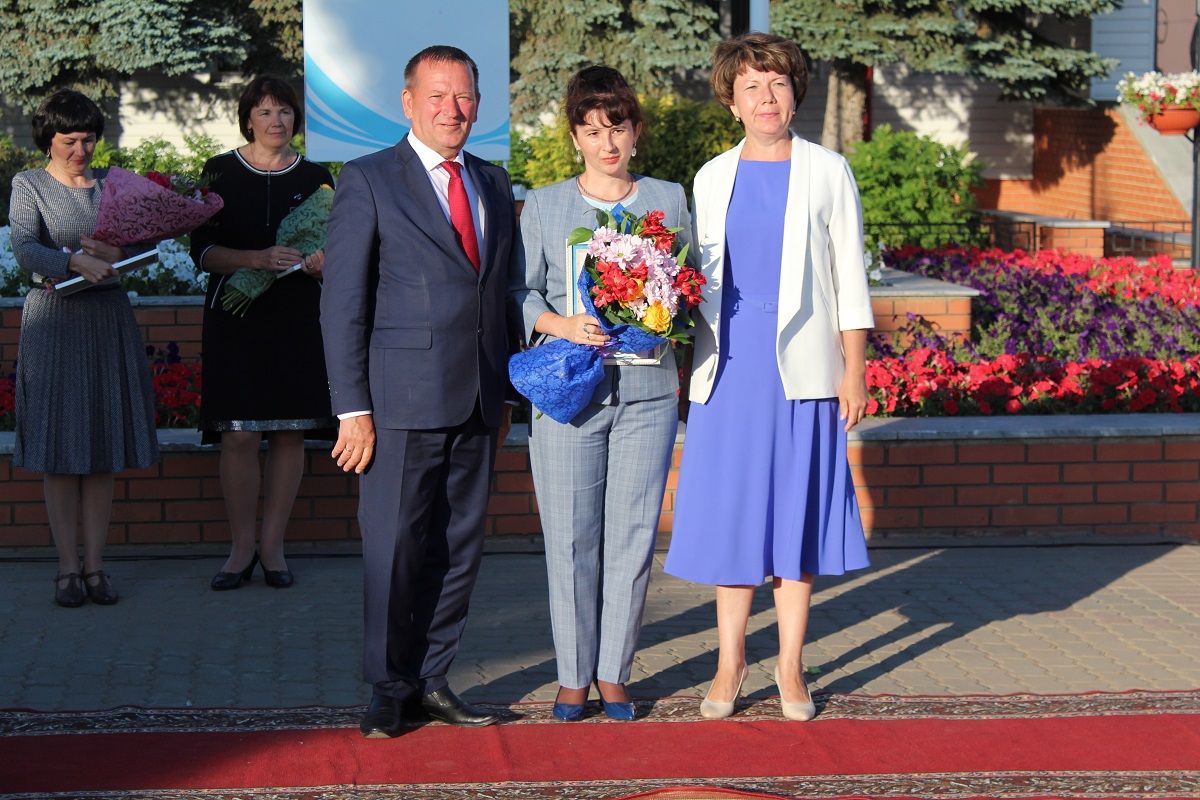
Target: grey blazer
[[539, 284]]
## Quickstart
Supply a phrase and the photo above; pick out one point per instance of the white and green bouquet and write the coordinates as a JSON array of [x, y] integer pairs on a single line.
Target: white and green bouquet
[[304, 229]]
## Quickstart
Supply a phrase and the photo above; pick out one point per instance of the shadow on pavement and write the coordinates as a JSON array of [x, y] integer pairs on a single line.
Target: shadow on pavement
[[942, 596]]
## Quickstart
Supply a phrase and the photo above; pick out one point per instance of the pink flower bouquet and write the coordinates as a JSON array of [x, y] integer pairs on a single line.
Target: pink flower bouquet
[[137, 209]]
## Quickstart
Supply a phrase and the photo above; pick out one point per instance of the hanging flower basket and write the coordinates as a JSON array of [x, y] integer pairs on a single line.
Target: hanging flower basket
[[1168, 102], [1174, 120]]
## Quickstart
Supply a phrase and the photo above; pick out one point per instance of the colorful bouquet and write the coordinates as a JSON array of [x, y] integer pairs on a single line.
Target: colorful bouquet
[[637, 278], [635, 282], [147, 209], [304, 229]]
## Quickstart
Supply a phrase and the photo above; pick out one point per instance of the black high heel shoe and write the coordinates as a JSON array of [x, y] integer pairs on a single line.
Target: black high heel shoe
[[102, 591], [278, 578], [223, 581]]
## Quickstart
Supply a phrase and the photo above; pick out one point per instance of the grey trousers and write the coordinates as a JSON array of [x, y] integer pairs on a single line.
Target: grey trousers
[[599, 483]]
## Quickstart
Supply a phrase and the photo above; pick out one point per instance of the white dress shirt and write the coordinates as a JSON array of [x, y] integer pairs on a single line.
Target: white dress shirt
[[440, 179]]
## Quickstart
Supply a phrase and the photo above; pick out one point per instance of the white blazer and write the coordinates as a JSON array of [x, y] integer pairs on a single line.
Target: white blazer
[[822, 278]]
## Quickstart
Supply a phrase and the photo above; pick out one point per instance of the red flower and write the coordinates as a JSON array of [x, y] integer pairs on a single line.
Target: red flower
[[689, 283]]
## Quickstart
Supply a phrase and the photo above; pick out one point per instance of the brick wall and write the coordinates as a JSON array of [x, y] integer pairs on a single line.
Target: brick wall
[[968, 486], [1145, 485], [951, 315], [160, 324], [1087, 164], [10, 334], [179, 500], [1085, 241]]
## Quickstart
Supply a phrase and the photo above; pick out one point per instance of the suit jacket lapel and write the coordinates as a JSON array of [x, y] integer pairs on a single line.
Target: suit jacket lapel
[[425, 209], [794, 274], [717, 208]]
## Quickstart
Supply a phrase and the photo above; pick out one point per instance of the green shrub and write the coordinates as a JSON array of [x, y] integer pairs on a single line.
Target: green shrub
[[678, 137], [334, 167], [158, 155], [915, 190], [551, 156], [519, 153], [14, 159], [681, 135]]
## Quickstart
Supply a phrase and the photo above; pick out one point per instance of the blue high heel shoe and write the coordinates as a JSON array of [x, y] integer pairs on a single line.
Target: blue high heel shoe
[[568, 712], [622, 712]]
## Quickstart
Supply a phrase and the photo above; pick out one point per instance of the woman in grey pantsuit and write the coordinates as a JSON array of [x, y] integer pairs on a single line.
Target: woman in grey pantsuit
[[84, 402], [600, 478]]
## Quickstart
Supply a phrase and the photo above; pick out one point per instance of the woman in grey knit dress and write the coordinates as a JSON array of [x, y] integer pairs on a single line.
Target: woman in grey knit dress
[[84, 400]]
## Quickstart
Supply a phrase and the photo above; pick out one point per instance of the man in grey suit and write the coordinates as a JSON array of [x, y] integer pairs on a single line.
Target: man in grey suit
[[413, 317]]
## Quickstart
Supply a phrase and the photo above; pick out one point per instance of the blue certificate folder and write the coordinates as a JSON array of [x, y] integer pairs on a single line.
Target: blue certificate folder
[[576, 253]]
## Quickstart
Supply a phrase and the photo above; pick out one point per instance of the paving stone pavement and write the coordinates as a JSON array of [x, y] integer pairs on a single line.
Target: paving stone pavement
[[958, 619]]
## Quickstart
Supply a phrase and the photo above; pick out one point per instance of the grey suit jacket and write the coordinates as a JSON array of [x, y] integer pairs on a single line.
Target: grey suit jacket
[[539, 284], [412, 332]]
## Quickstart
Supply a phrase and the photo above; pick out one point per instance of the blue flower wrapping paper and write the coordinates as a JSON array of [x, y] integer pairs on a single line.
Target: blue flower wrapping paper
[[560, 377]]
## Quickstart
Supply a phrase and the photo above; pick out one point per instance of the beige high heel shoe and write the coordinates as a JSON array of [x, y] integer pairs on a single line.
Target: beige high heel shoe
[[800, 712], [715, 709]]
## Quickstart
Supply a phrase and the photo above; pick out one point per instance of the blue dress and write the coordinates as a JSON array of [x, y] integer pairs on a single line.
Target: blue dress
[[764, 486]]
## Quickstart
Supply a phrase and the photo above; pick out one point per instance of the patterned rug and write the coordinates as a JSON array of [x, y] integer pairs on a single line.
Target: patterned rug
[[1131, 745]]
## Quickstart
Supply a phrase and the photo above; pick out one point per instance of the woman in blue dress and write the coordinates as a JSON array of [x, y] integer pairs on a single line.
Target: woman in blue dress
[[779, 374]]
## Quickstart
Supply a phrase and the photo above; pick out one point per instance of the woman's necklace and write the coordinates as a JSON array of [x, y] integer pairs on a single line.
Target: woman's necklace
[[586, 193]]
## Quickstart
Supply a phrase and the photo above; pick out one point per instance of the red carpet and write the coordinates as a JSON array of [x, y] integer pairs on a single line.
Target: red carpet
[[1142, 744]]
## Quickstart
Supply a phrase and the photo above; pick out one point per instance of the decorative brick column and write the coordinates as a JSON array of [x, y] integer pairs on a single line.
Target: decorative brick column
[[946, 306]]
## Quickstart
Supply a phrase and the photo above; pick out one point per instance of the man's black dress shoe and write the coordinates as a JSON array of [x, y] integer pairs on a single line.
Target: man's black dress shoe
[[383, 719], [445, 705]]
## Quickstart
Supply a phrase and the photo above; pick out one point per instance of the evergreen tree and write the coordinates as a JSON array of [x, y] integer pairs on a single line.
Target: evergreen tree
[[652, 42], [276, 28], [92, 44], [1003, 41]]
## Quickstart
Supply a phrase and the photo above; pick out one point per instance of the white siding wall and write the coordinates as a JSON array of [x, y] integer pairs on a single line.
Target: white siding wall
[[156, 105], [959, 111]]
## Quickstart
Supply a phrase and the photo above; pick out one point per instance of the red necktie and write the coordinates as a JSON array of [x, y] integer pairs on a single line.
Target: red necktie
[[460, 213]]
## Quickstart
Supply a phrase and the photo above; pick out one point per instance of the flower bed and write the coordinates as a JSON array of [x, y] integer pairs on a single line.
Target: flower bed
[[1051, 333], [176, 389], [925, 382], [1063, 306], [176, 392]]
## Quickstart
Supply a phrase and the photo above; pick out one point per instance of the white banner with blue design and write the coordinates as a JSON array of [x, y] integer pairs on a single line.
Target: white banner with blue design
[[354, 57]]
